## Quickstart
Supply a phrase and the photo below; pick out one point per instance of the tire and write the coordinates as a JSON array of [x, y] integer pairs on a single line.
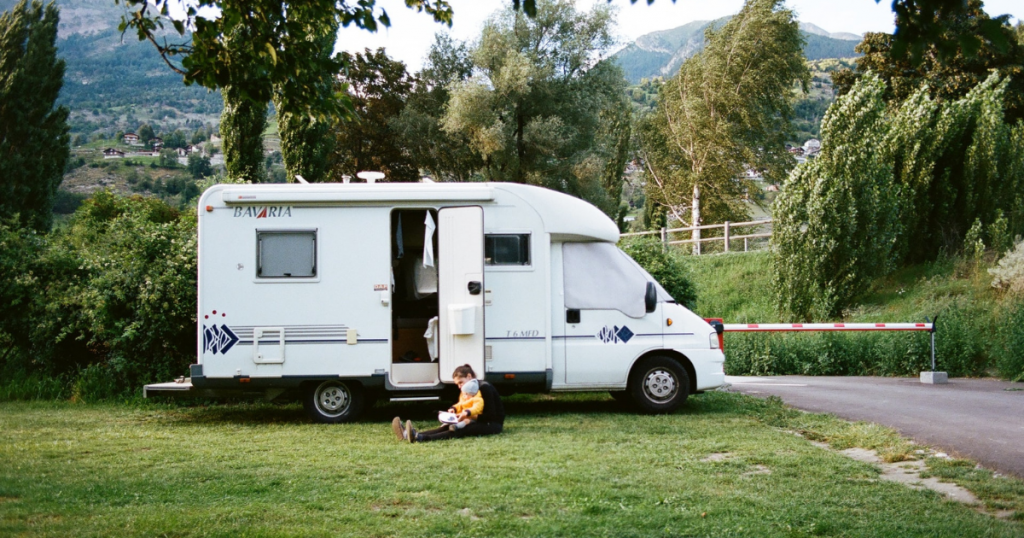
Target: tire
[[333, 402], [658, 384]]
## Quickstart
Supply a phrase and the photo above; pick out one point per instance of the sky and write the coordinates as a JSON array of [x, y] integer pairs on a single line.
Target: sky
[[411, 33]]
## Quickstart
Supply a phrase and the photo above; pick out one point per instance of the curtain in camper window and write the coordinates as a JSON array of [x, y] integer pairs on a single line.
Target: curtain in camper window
[[599, 276]]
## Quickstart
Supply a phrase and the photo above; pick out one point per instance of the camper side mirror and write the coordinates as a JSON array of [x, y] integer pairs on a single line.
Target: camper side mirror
[[651, 297]]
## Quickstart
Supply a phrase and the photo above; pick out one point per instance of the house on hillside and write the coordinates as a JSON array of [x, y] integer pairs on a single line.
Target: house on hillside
[[190, 149], [157, 144], [812, 146], [132, 139], [112, 153]]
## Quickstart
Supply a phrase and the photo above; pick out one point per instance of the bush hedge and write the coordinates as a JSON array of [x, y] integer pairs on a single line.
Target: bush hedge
[[105, 302]]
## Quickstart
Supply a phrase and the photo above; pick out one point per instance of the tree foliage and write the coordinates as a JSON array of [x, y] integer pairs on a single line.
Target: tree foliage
[[835, 220], [948, 76], [242, 123], [306, 143], [956, 163], [34, 139], [278, 54], [896, 185], [379, 88], [448, 156], [534, 113], [728, 108]]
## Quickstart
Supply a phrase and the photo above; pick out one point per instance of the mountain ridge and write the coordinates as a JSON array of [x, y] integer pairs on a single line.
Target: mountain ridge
[[662, 53]]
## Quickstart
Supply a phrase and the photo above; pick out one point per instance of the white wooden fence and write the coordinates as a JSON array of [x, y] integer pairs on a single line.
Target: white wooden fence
[[727, 237]]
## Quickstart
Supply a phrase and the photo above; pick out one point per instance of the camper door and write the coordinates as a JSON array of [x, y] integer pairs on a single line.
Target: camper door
[[461, 289]]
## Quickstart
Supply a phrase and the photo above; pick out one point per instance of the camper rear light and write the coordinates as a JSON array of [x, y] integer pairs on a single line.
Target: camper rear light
[[713, 339], [209, 208]]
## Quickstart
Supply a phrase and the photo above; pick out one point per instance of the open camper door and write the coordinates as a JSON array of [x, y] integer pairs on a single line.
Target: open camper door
[[461, 289]]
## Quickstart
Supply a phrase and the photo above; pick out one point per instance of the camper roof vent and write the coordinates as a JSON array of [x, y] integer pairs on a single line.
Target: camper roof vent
[[370, 177]]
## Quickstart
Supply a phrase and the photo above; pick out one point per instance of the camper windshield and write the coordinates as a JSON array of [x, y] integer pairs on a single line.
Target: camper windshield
[[599, 276]]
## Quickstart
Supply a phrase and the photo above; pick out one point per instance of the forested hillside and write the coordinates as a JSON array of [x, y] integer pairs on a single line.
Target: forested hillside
[[113, 84]]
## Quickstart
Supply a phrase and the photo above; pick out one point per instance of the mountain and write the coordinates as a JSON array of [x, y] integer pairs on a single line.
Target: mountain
[[809, 28], [662, 53], [113, 83]]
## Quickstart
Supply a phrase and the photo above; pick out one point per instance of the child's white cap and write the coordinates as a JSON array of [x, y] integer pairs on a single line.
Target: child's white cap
[[471, 387]]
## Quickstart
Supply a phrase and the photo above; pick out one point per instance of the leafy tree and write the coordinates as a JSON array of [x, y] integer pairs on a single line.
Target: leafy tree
[[306, 143], [728, 108], [956, 163], [535, 113], [241, 129], [836, 217], [146, 133], [34, 133], [447, 156], [948, 76], [199, 166], [379, 87], [168, 158]]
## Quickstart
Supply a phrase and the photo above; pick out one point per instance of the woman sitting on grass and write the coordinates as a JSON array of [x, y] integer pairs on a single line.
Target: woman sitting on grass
[[490, 422]]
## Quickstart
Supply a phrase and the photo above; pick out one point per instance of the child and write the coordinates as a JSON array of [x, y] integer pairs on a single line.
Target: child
[[470, 406], [479, 423]]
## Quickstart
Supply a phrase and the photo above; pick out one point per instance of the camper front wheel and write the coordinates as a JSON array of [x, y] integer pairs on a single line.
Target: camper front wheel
[[332, 401], [659, 384]]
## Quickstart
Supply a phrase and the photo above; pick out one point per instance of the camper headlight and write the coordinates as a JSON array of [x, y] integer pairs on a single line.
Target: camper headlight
[[713, 339]]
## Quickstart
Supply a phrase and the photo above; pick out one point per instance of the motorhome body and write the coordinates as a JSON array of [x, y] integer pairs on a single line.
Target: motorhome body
[[350, 291]]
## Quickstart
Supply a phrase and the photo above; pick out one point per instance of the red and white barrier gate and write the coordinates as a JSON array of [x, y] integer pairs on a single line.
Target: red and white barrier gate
[[796, 327], [828, 327]]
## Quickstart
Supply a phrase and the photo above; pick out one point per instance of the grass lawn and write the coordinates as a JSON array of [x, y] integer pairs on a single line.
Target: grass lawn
[[571, 465]]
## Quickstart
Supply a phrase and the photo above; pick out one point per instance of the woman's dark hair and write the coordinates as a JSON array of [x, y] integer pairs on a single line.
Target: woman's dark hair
[[464, 371]]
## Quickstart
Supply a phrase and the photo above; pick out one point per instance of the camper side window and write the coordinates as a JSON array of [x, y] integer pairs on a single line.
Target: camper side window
[[286, 254], [507, 249]]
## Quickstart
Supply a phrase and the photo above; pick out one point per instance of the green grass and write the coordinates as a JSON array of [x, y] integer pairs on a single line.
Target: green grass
[[572, 465]]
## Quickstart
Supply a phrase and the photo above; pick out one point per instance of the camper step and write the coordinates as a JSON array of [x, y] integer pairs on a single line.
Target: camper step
[[416, 399]]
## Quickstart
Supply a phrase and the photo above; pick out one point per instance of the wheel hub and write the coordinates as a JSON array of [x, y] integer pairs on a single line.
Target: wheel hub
[[660, 385], [332, 398]]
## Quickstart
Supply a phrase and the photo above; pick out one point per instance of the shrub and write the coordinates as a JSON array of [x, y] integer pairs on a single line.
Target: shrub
[[664, 267], [112, 299], [1010, 355], [1009, 272]]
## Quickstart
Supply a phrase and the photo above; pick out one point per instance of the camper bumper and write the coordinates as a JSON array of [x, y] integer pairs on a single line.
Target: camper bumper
[[710, 368]]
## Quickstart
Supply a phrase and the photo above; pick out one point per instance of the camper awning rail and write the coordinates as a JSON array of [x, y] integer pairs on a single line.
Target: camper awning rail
[[334, 193]]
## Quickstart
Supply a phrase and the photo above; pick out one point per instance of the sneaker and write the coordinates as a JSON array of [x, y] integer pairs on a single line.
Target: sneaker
[[396, 426], [410, 432]]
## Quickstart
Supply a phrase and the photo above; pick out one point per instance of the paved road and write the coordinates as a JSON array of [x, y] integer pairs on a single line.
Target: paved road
[[981, 419]]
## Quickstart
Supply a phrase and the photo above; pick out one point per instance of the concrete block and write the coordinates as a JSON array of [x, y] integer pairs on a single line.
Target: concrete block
[[934, 378]]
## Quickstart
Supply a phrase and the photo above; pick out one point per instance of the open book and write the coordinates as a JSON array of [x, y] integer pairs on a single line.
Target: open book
[[447, 418]]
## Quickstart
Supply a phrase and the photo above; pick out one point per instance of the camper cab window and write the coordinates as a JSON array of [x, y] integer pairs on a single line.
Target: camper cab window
[[599, 276], [507, 249], [286, 254]]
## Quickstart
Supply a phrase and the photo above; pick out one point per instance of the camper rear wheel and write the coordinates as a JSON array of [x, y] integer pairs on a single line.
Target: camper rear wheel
[[659, 384], [331, 402]]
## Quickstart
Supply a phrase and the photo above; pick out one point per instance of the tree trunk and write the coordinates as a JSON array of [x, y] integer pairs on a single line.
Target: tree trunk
[[695, 218]]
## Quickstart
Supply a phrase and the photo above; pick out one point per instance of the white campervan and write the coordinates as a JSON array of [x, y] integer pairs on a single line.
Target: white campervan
[[347, 292]]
